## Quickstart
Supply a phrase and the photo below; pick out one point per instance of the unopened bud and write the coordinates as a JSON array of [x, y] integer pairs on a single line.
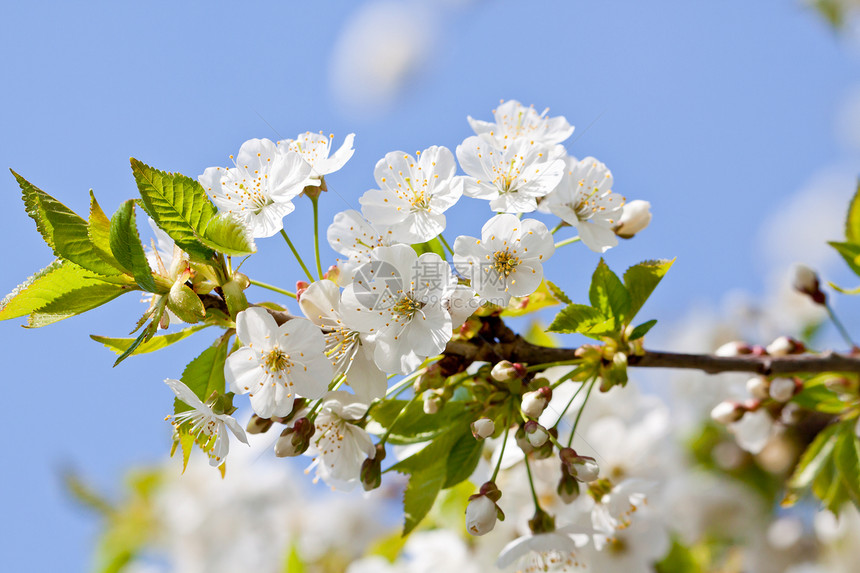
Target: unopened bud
[[432, 403], [505, 370], [805, 280], [585, 469], [523, 441], [635, 216], [727, 412], [757, 386], [483, 428], [782, 389], [541, 522], [733, 348], [258, 425], [535, 402], [481, 515], [535, 434], [295, 441], [371, 469], [568, 487], [432, 378], [332, 274], [783, 346], [301, 287]]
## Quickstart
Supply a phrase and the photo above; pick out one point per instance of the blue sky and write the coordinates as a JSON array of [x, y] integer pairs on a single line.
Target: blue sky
[[717, 112]]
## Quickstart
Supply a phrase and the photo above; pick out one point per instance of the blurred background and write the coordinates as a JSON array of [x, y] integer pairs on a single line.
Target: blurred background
[[738, 121]]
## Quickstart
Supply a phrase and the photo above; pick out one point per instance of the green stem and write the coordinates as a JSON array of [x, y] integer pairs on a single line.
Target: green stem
[[296, 254], [315, 202], [545, 365], [581, 410], [557, 228], [444, 242], [532, 483], [570, 403], [502, 452], [272, 288], [569, 241], [839, 326]]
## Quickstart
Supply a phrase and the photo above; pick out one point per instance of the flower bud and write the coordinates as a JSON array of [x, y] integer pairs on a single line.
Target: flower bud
[[258, 425], [522, 441], [733, 348], [301, 287], [371, 469], [296, 440], [483, 428], [541, 522], [727, 412], [783, 346], [505, 370], [432, 378], [635, 216], [585, 469], [432, 403], [757, 386], [568, 487], [805, 280], [481, 514], [332, 274], [782, 389], [535, 434], [535, 402]]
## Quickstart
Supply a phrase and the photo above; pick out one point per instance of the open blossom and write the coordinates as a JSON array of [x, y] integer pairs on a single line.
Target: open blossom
[[413, 193], [508, 259], [630, 550], [511, 179], [556, 552], [340, 444], [350, 351], [204, 424], [584, 199], [400, 298], [516, 121], [315, 148], [277, 363], [260, 188], [351, 235]]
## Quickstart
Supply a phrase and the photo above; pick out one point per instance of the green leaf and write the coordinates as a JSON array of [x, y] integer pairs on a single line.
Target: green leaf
[[847, 458], [608, 294], [852, 220], [642, 329], [227, 235], [815, 458], [420, 494], [126, 247], [523, 305], [98, 231], [75, 302], [558, 293], [414, 425], [642, 279], [432, 246], [582, 319], [294, 563], [850, 253], [145, 335], [817, 396], [120, 345], [463, 459], [34, 199], [185, 303], [55, 280], [178, 205], [205, 374]]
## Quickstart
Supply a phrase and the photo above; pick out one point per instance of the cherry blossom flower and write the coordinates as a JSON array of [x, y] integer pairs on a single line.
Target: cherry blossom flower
[[205, 425], [260, 188], [584, 199], [508, 259], [350, 351], [315, 148], [277, 363], [556, 551], [630, 550], [340, 444], [513, 178], [516, 121], [351, 235], [754, 430], [400, 298], [413, 193]]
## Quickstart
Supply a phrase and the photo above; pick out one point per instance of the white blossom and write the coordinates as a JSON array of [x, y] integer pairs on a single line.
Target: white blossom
[[753, 430], [507, 261], [341, 445], [584, 199], [413, 193], [277, 363], [514, 121], [260, 188], [555, 552], [511, 179], [315, 149], [630, 550], [204, 424], [351, 235]]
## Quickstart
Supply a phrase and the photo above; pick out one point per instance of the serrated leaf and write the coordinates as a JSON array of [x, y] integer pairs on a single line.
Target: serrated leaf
[[120, 345], [98, 231], [125, 245], [582, 319], [227, 235], [850, 252], [145, 335], [852, 220], [462, 459], [75, 302], [414, 425], [815, 458], [847, 456], [523, 305], [536, 334], [33, 198], [558, 293], [177, 204], [55, 280], [205, 374], [642, 329], [420, 494], [642, 279], [608, 294]]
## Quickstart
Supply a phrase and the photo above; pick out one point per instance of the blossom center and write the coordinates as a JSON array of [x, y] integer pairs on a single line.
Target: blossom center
[[505, 262], [276, 359], [406, 307]]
